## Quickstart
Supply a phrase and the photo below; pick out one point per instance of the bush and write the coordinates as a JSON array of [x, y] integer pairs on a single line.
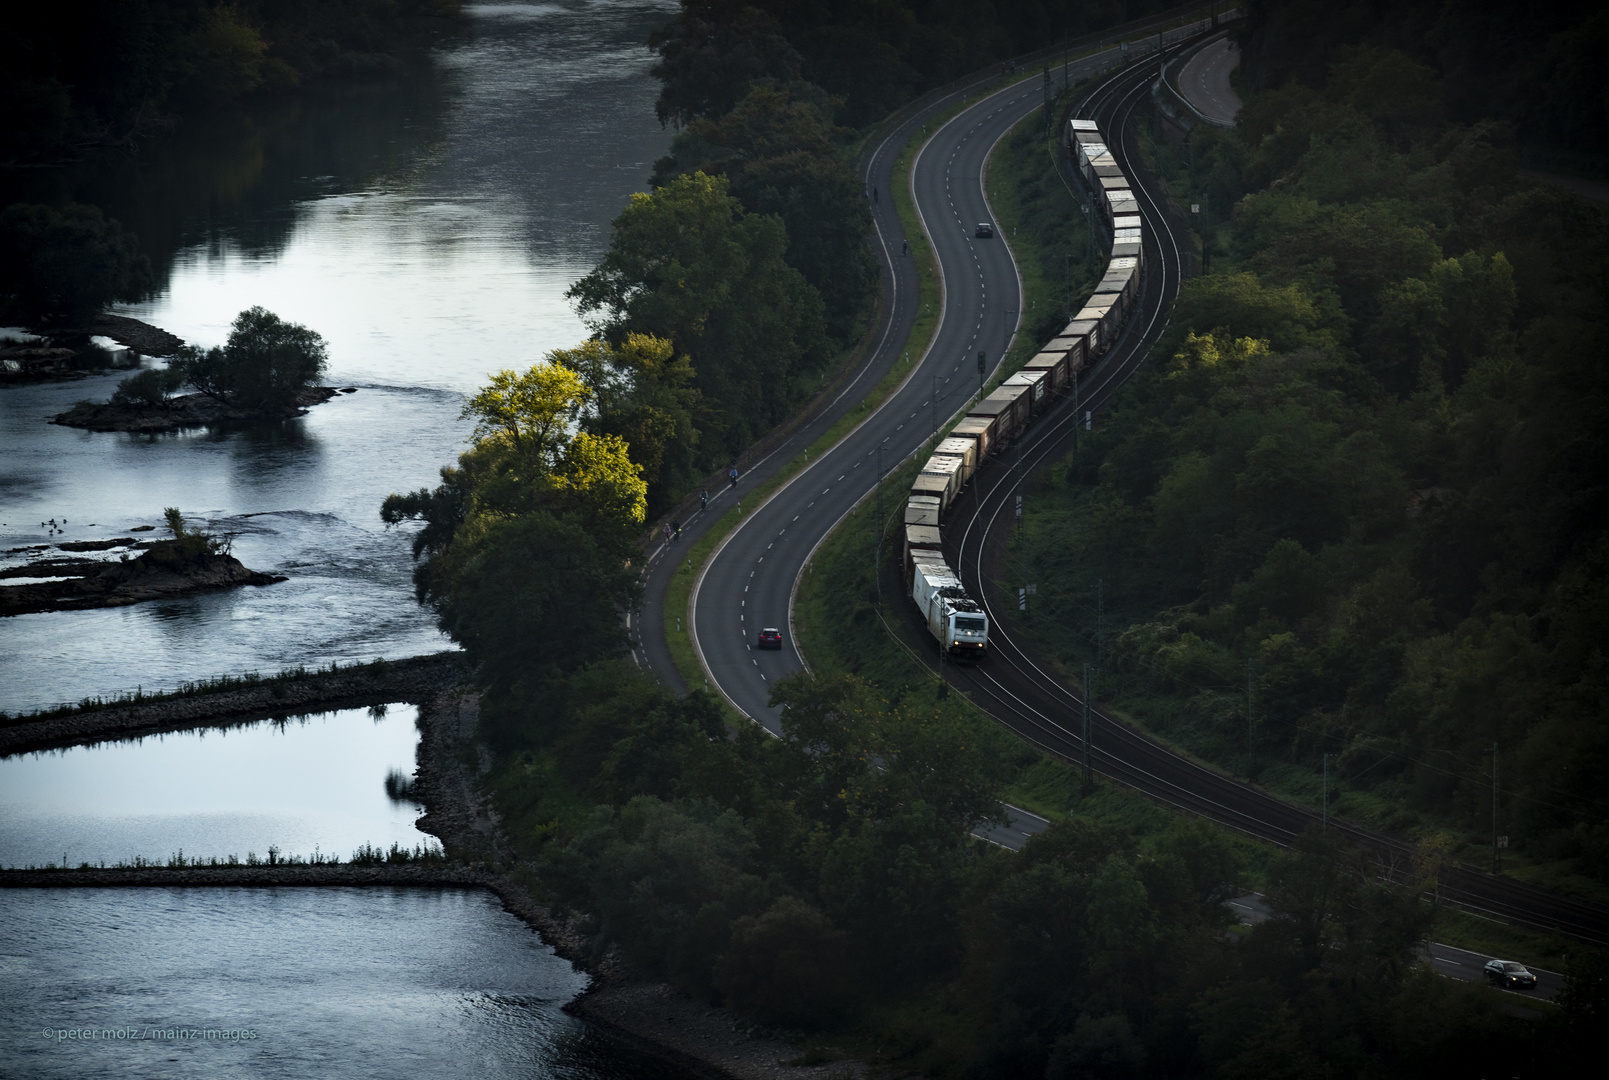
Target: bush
[[788, 966], [149, 388]]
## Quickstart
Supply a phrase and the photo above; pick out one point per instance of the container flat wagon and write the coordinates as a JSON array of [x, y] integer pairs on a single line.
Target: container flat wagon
[[956, 621]]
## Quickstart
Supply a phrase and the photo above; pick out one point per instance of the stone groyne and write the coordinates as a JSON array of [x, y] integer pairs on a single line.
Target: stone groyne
[[414, 679]]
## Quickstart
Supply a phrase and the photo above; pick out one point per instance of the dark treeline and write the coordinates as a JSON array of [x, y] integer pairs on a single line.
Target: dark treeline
[[1542, 67], [91, 90], [92, 74], [1366, 472]]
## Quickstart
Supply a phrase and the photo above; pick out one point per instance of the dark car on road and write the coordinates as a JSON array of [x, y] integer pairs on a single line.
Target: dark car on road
[[1509, 975], [770, 638], [985, 230]]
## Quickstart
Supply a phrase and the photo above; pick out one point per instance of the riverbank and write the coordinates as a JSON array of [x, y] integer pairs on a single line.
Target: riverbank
[[415, 679], [654, 1016], [444, 875]]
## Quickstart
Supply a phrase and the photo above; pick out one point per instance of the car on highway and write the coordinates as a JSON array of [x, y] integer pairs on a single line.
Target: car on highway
[[770, 638], [985, 230], [1509, 975]]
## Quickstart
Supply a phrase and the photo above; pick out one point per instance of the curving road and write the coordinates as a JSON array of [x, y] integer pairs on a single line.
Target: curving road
[[1204, 82], [748, 584]]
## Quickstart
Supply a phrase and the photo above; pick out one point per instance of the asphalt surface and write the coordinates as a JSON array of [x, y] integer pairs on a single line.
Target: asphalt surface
[[1455, 963], [1204, 81]]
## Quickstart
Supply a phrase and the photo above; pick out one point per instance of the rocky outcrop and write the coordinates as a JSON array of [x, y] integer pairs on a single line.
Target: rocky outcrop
[[186, 411], [94, 584]]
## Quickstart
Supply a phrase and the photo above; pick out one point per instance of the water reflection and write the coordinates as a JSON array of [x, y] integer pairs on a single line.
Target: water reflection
[[315, 783]]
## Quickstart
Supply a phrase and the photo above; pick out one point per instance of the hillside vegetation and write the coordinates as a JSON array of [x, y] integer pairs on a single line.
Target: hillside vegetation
[[1359, 488]]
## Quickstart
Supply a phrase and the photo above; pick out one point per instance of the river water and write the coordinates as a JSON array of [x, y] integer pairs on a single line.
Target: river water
[[428, 232], [349, 983], [309, 785]]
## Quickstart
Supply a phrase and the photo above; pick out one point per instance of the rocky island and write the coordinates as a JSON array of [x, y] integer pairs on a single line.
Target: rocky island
[[188, 563], [268, 370], [185, 411]]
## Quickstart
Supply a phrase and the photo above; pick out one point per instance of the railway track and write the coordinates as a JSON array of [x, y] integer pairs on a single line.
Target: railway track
[[1022, 693]]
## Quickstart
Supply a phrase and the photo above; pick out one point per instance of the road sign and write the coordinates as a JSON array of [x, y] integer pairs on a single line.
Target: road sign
[[1502, 841]]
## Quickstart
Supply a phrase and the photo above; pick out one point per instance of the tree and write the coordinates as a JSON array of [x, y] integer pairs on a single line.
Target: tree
[[783, 156], [531, 410], [264, 366], [686, 263], [787, 966], [62, 266]]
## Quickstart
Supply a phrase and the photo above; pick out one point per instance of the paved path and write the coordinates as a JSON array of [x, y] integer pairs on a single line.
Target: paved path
[[1204, 81]]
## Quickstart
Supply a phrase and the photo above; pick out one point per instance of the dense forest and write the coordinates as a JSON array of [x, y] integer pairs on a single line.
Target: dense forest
[[1358, 497], [1390, 376]]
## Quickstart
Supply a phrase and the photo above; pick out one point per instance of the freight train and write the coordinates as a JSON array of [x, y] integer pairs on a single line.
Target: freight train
[[955, 619]]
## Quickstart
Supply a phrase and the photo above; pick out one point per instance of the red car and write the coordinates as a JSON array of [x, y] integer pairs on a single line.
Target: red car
[[770, 638]]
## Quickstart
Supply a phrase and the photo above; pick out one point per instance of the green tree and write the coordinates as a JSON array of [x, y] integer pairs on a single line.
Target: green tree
[[783, 156], [688, 264], [266, 363]]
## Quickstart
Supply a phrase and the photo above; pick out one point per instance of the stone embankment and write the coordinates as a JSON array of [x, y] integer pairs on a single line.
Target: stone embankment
[[415, 679], [443, 875]]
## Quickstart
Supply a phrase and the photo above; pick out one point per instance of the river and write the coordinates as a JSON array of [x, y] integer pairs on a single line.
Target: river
[[428, 231], [349, 983]]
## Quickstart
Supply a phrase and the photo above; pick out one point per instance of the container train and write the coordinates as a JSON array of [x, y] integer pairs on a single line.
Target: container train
[[955, 619]]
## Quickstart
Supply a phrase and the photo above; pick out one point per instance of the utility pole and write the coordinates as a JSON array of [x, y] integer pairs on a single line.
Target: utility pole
[[1326, 791], [1086, 724], [1497, 856], [1100, 626], [1048, 96], [1251, 745], [934, 402], [878, 524], [982, 363]]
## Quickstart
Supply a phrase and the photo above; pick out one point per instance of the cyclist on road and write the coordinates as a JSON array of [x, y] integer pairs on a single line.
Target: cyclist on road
[[732, 474], [703, 500]]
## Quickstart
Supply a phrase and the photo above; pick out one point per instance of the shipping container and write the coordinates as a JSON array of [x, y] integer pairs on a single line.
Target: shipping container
[[964, 448], [921, 510], [938, 487], [1057, 366], [1038, 382], [1088, 329], [980, 429], [952, 469], [921, 540], [1009, 405]]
